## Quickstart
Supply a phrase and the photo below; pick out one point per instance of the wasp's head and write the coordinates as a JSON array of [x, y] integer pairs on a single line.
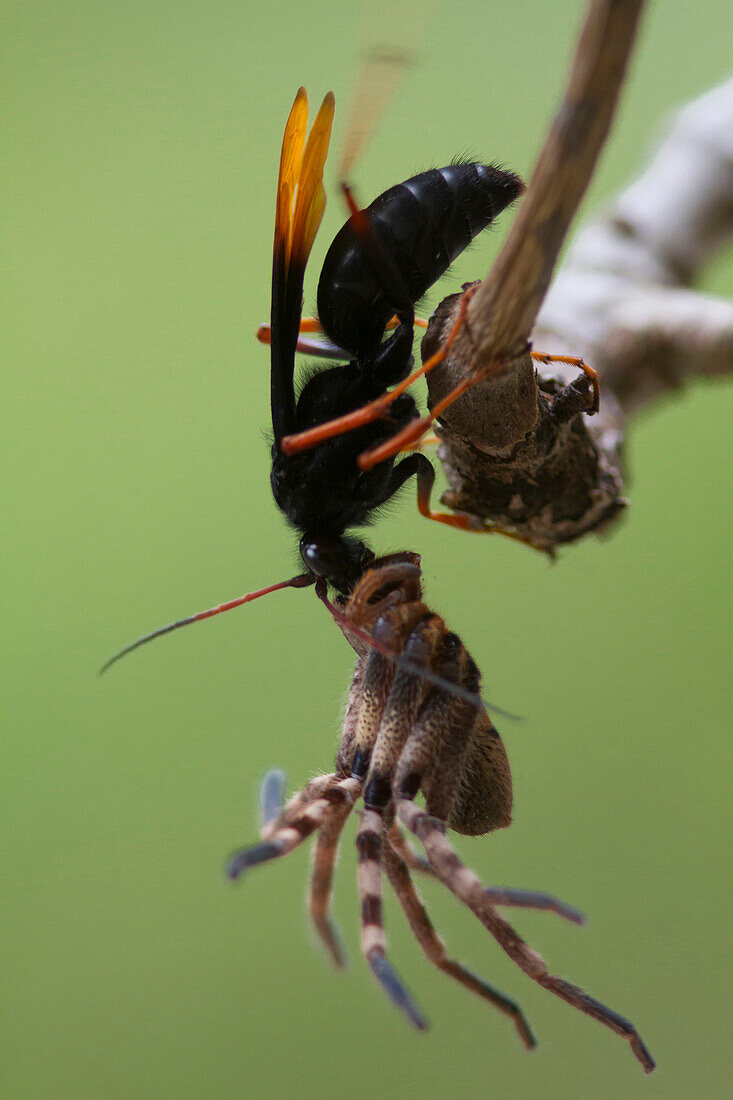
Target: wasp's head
[[338, 559]]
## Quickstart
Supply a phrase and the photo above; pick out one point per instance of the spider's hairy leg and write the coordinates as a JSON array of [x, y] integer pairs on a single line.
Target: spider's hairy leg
[[405, 851], [297, 822], [369, 847], [441, 719], [462, 882], [351, 718], [375, 694], [387, 702], [581, 1000], [400, 713], [272, 789], [369, 693], [434, 948], [446, 732], [312, 790], [325, 853]]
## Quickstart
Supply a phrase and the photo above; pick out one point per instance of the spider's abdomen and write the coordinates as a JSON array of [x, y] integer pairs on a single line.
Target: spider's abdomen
[[484, 797]]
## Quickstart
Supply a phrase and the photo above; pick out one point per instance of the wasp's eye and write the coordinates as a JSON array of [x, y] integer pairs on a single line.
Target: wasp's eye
[[341, 561], [321, 558]]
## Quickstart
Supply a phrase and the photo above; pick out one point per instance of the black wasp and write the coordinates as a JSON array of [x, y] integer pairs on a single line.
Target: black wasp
[[383, 260], [380, 264]]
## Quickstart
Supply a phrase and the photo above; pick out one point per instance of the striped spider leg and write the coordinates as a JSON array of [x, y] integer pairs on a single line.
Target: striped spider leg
[[413, 727]]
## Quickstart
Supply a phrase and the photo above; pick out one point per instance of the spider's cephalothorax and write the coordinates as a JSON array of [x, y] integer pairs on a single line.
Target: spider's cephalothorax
[[405, 734]]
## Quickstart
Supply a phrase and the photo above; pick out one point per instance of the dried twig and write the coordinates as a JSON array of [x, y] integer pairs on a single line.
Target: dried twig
[[517, 453], [623, 297]]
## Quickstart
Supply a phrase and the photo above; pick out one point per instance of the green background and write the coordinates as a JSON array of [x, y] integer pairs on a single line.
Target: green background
[[141, 150]]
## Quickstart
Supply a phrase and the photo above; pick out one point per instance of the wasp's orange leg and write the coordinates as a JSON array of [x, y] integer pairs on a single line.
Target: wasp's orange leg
[[310, 324], [431, 440], [313, 324], [425, 483], [302, 441], [408, 438], [418, 322], [307, 345], [412, 433], [541, 357], [320, 348]]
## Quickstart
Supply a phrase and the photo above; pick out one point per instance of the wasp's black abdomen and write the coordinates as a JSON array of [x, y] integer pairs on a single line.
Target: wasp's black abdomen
[[423, 225]]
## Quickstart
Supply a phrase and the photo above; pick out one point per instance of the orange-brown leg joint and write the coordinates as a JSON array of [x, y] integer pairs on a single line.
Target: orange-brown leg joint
[[431, 440], [425, 482], [541, 357], [424, 489], [312, 324], [406, 438], [301, 441], [307, 324]]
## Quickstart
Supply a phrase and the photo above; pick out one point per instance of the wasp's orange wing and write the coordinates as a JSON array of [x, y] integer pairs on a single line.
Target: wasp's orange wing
[[311, 197], [291, 159], [301, 200]]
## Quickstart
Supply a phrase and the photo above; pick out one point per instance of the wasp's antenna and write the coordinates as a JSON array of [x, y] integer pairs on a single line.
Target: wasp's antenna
[[425, 673], [301, 581], [382, 67], [381, 70]]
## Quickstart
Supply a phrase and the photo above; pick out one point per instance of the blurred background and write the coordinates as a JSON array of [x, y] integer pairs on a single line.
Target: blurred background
[[141, 154]]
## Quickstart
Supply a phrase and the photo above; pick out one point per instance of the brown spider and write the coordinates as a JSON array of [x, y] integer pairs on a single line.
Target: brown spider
[[403, 734]]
